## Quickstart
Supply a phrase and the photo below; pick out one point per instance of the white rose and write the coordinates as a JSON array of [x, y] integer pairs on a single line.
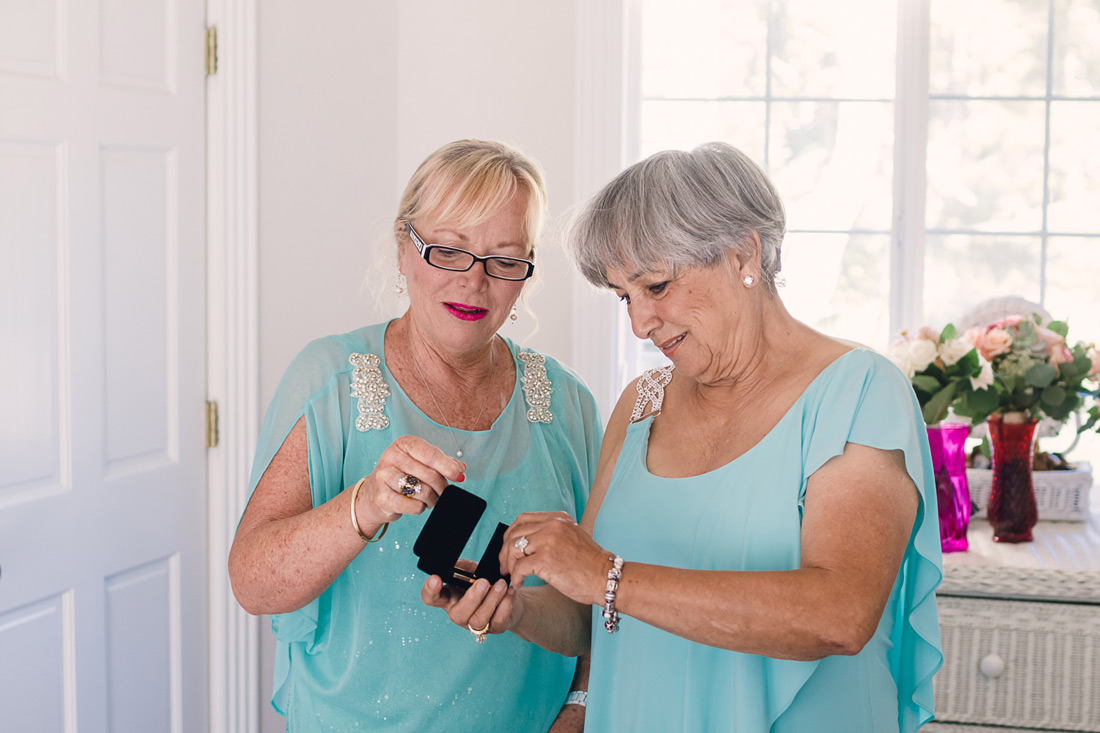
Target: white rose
[[953, 350], [899, 354], [985, 379], [922, 353]]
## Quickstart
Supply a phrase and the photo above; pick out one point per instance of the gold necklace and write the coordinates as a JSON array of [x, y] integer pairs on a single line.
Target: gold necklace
[[477, 421]]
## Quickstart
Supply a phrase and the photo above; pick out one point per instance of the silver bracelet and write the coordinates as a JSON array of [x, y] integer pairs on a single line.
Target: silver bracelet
[[577, 697], [610, 615]]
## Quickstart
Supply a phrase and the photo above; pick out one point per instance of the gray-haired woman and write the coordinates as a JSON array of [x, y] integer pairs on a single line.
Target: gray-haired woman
[[763, 515]]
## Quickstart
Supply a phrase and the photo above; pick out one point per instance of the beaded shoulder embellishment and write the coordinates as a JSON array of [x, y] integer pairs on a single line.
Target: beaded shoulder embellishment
[[536, 386], [651, 388], [367, 384]]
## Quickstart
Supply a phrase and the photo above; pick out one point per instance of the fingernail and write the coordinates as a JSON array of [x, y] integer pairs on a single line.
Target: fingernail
[[499, 586], [461, 477]]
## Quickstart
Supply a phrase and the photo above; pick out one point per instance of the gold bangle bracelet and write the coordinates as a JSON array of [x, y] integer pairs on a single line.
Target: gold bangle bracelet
[[355, 520]]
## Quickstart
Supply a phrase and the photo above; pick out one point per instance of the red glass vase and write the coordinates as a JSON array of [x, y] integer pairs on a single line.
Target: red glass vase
[[1012, 510], [947, 442]]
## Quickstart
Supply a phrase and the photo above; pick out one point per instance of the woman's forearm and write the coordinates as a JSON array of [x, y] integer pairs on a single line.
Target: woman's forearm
[[553, 621], [802, 614], [281, 565]]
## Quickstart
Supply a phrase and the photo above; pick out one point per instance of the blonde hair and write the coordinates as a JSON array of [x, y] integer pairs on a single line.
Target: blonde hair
[[467, 181]]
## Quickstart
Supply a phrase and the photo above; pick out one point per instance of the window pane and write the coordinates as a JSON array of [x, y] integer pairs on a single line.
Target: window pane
[[1076, 53], [703, 48], [833, 163], [1074, 167], [985, 165], [988, 47], [1073, 266], [683, 125], [962, 270], [839, 284], [819, 52]]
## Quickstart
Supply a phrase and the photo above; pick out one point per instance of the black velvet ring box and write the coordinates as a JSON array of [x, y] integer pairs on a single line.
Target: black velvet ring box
[[446, 531]]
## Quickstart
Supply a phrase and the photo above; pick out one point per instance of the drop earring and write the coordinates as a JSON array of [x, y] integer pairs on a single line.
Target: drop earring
[[399, 286], [748, 280], [514, 315]]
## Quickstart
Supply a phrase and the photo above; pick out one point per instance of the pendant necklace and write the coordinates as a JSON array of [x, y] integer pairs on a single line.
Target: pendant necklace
[[492, 363]]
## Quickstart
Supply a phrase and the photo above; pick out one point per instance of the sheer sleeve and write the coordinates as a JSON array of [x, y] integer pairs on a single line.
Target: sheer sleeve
[[311, 388], [873, 404]]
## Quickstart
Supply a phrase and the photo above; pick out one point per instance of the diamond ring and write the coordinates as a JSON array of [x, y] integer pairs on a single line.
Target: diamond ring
[[479, 634], [521, 544]]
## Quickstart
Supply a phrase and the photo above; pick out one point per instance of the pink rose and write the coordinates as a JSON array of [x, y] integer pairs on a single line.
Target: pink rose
[[1060, 355], [995, 341], [973, 336], [926, 333]]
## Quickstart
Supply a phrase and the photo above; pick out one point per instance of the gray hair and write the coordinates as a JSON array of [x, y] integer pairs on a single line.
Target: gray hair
[[678, 209]]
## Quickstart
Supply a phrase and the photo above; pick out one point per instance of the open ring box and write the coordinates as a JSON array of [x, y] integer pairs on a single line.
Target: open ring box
[[448, 528]]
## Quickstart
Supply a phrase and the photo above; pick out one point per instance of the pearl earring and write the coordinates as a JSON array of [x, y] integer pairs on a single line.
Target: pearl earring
[[399, 286], [514, 315], [748, 280]]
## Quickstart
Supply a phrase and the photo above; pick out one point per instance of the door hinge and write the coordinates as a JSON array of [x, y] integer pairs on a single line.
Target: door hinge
[[211, 424], [212, 50]]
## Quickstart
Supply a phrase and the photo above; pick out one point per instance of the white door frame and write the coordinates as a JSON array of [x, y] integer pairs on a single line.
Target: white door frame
[[232, 352]]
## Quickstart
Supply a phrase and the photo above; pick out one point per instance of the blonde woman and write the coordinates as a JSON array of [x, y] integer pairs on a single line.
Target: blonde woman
[[365, 432]]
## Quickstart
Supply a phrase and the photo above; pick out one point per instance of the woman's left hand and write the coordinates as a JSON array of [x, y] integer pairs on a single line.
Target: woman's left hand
[[553, 546]]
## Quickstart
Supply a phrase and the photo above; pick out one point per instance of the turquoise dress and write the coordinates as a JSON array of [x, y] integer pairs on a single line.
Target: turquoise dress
[[367, 654], [747, 515]]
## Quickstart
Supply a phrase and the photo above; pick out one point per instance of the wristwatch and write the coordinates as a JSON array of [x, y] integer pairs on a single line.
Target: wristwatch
[[577, 697]]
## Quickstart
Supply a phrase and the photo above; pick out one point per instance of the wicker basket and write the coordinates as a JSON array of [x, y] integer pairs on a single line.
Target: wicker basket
[[1060, 495]]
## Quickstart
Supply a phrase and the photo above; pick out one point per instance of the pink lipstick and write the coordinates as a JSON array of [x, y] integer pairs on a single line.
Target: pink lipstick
[[466, 312]]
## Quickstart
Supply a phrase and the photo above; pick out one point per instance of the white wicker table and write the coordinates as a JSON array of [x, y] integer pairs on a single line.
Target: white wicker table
[[1021, 632]]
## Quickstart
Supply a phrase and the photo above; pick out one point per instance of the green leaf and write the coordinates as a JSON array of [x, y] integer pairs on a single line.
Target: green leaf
[[977, 404], [936, 409], [970, 365], [948, 333], [1054, 395], [1059, 327], [1041, 375], [925, 383]]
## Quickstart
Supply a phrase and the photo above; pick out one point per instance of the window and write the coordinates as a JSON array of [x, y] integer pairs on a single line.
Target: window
[[931, 153], [988, 140]]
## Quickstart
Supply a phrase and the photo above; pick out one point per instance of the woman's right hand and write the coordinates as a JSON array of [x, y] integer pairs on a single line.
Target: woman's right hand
[[381, 498], [494, 607]]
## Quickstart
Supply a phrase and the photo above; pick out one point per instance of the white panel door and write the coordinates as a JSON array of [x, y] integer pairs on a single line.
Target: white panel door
[[102, 448]]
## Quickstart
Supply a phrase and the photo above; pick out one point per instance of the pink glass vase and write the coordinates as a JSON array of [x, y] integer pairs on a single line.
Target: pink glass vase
[[948, 445], [1012, 509]]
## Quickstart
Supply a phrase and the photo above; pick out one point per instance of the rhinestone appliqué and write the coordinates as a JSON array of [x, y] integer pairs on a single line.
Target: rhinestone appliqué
[[651, 388], [536, 386], [367, 385]]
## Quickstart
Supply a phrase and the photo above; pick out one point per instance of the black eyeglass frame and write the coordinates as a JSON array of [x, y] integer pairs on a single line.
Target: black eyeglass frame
[[425, 249]]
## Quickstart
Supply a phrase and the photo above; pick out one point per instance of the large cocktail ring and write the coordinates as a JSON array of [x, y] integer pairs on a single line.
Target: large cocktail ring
[[409, 485], [521, 544]]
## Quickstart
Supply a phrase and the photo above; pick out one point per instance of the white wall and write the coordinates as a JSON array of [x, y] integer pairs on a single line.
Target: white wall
[[353, 95]]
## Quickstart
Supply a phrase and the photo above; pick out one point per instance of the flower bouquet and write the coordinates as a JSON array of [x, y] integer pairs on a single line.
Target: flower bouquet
[[942, 367], [1035, 373]]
